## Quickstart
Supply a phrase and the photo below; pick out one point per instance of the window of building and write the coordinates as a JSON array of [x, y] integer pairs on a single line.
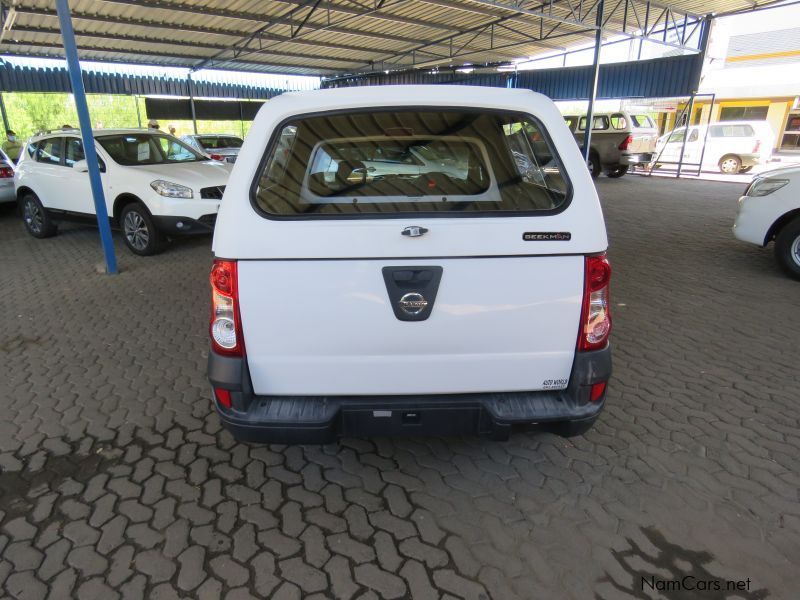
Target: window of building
[[743, 113]]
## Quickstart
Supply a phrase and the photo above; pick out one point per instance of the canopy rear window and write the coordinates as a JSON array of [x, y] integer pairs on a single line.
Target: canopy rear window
[[219, 142], [413, 161], [642, 121], [737, 130]]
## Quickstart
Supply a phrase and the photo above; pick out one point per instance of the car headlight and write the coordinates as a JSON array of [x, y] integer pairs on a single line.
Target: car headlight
[[764, 187], [171, 190]]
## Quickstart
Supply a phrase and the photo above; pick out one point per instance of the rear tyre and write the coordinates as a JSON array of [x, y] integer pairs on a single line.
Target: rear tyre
[[617, 172], [730, 164], [745, 169], [139, 231], [38, 223], [787, 248], [568, 429], [594, 165]]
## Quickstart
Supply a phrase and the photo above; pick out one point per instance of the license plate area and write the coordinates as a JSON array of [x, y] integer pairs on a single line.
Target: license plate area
[[444, 421]]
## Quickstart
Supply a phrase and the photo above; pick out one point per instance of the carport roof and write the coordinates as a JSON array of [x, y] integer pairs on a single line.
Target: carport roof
[[336, 37]]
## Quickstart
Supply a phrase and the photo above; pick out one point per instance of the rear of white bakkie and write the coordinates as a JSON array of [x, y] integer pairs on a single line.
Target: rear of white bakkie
[[408, 260]]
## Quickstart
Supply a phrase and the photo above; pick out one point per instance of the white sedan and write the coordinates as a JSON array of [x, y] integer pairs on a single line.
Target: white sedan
[[770, 210]]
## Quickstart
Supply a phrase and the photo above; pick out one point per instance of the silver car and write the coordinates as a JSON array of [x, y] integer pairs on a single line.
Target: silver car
[[215, 145], [7, 193]]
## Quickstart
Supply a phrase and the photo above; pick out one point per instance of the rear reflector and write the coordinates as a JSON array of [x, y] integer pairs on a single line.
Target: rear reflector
[[598, 389], [224, 397]]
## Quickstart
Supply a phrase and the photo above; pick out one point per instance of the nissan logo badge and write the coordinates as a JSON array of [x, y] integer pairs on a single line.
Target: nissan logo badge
[[412, 303]]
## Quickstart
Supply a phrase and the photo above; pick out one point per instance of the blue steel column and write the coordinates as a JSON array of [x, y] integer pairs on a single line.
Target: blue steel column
[[74, 70], [598, 41], [5, 116], [191, 103]]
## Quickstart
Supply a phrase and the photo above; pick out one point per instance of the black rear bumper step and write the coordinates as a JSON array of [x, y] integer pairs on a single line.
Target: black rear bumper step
[[321, 419]]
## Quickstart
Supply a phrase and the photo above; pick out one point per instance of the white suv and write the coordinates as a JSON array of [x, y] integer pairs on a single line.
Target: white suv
[[467, 295], [770, 210], [155, 185]]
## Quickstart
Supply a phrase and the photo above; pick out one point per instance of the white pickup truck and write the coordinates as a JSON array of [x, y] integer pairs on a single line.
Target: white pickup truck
[[466, 295]]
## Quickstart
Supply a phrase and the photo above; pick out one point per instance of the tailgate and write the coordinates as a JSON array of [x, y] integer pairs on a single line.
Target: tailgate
[[328, 327], [643, 141]]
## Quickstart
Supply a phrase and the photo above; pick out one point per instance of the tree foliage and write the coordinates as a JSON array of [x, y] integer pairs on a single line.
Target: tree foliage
[[31, 112]]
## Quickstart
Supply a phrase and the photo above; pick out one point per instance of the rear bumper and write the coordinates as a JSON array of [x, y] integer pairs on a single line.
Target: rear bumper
[[185, 225], [321, 419], [636, 159], [7, 192]]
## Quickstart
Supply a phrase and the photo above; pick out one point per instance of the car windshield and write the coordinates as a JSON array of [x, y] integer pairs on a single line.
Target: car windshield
[[384, 162], [134, 149], [219, 142]]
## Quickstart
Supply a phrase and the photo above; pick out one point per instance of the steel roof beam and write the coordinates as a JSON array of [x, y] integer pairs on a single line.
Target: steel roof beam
[[242, 44], [338, 8], [145, 63], [449, 39], [85, 48], [174, 42], [586, 25], [260, 18], [585, 20], [329, 27], [332, 27], [273, 37], [494, 50]]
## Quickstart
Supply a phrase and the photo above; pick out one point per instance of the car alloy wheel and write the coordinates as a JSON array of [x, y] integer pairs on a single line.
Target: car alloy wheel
[[33, 216], [794, 252], [136, 231], [729, 165]]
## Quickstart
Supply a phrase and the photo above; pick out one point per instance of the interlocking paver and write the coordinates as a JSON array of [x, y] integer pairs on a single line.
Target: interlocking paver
[[117, 478]]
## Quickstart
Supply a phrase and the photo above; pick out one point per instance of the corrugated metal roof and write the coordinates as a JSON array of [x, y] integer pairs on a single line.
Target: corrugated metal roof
[[26, 79], [674, 76], [333, 37]]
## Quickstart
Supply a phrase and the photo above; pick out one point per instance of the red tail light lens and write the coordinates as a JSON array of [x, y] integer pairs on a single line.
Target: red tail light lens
[[226, 322], [595, 314], [626, 142], [6, 172], [223, 397], [215, 156], [757, 147], [597, 391]]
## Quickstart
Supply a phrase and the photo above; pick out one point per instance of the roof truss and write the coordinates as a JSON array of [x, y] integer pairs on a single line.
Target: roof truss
[[332, 37]]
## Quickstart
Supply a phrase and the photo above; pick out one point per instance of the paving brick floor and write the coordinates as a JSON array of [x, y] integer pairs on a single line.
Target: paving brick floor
[[117, 481]]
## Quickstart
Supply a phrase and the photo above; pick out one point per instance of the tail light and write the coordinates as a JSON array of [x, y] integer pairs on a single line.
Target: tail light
[[595, 315], [6, 172], [226, 322], [216, 156], [626, 142], [757, 147]]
